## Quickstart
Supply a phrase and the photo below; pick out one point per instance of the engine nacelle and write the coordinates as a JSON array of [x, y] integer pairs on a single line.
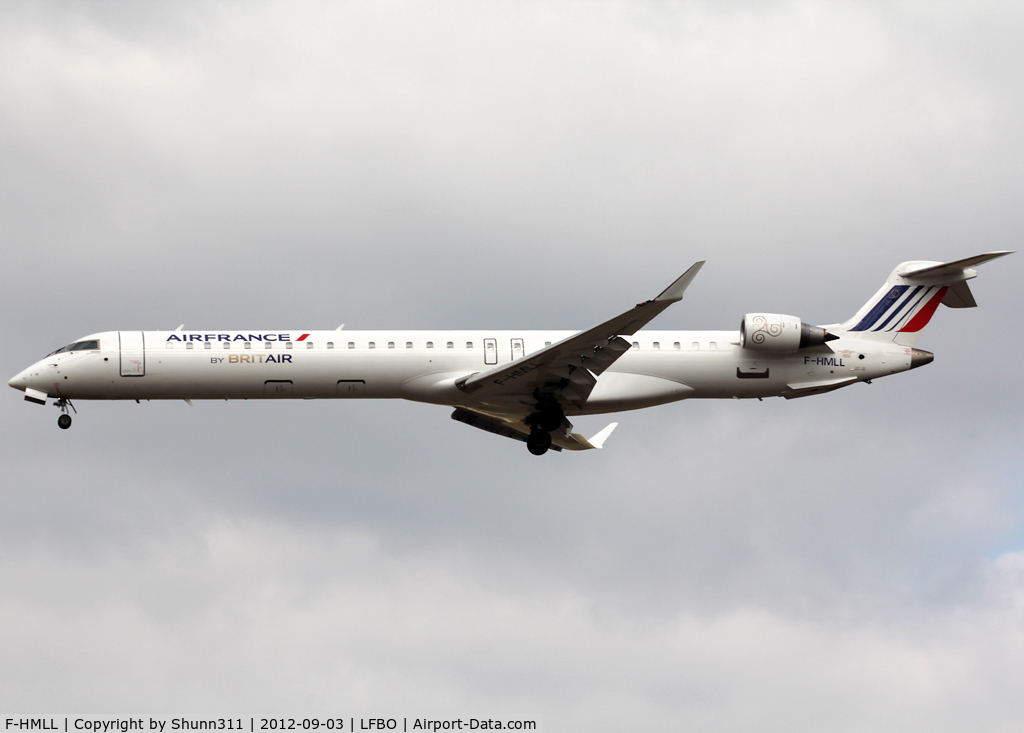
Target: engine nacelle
[[780, 334]]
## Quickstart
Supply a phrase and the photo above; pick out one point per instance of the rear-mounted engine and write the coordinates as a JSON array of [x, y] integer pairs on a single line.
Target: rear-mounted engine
[[780, 334]]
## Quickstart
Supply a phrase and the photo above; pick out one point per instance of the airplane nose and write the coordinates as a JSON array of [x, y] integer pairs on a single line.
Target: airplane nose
[[18, 382]]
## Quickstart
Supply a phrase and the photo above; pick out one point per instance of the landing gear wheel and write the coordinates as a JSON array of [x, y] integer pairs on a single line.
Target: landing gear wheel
[[539, 442], [64, 422]]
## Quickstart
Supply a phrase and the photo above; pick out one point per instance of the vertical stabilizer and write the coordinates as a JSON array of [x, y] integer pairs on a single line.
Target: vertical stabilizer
[[912, 293]]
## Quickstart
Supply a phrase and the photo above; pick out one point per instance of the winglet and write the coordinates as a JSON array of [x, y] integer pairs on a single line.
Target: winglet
[[674, 292], [598, 440]]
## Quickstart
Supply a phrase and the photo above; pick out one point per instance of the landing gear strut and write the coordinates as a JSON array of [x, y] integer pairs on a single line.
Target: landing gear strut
[[64, 421], [549, 416], [550, 420], [538, 442]]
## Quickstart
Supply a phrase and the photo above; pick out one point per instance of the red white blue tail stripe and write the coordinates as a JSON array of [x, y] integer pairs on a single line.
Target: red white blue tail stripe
[[904, 308]]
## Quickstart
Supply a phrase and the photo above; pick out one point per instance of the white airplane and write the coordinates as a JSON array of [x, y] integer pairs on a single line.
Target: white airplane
[[520, 384]]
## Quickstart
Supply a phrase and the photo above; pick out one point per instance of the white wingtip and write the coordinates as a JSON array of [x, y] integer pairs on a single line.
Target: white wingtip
[[598, 440], [180, 327]]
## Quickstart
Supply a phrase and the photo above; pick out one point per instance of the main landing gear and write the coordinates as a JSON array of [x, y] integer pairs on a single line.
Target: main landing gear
[[548, 418], [64, 421]]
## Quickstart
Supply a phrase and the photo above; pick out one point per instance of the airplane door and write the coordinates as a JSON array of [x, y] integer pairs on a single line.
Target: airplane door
[[133, 353], [490, 351], [517, 349]]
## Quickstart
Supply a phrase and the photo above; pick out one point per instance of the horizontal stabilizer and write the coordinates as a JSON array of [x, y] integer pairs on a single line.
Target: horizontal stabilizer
[[951, 269]]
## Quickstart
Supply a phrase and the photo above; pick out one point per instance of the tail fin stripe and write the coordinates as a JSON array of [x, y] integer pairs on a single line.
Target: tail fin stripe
[[881, 307], [909, 313], [925, 314], [899, 308], [906, 303]]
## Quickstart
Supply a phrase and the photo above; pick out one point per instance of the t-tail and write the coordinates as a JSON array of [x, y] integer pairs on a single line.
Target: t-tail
[[908, 300]]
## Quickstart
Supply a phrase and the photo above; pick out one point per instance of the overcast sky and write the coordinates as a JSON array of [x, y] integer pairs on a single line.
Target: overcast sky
[[848, 562]]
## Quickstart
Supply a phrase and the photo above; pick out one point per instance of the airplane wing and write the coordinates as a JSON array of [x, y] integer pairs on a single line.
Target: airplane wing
[[567, 370], [516, 429]]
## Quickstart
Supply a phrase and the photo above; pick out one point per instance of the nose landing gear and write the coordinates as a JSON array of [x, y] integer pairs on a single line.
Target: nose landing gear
[[64, 421]]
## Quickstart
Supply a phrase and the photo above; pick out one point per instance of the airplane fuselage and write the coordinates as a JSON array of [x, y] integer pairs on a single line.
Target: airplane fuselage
[[424, 366]]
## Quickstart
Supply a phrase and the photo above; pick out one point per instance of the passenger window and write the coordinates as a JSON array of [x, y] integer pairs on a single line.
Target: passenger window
[[207, 345], [636, 344], [248, 344], [469, 344], [430, 344], [309, 344], [657, 345], [188, 345], [408, 344], [547, 344], [713, 346], [351, 344], [391, 344], [696, 346], [372, 345], [268, 343], [227, 344], [170, 344], [675, 345], [288, 345], [330, 344], [451, 345]]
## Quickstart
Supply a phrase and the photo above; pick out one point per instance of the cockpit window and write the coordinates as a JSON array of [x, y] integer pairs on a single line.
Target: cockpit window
[[91, 345]]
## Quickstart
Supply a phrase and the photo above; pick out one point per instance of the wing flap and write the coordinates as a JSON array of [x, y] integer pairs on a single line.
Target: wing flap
[[805, 389], [561, 439], [494, 425]]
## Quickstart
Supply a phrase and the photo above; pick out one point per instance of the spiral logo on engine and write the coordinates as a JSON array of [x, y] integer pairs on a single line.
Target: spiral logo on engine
[[764, 329]]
